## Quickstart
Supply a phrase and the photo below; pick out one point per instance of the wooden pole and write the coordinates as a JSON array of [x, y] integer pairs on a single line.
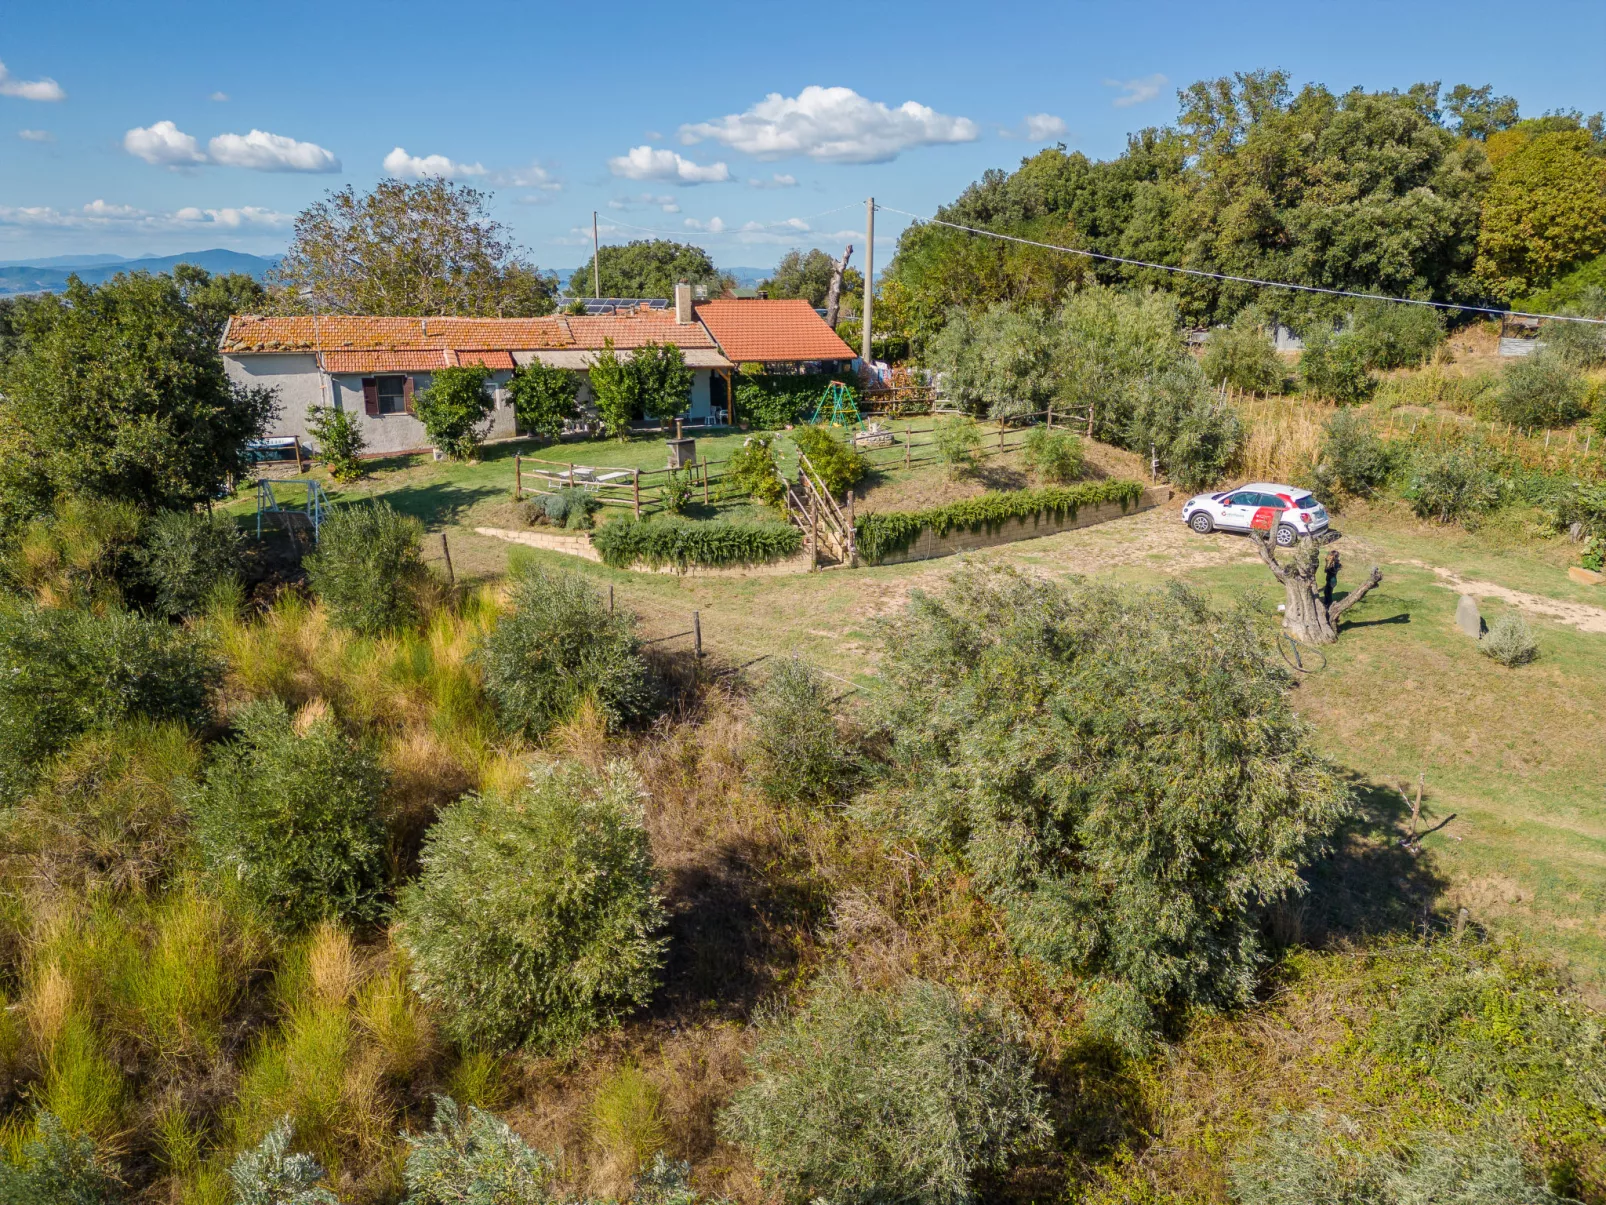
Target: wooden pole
[[814, 531], [705, 483], [297, 442], [869, 279], [635, 481], [697, 634], [1051, 418], [610, 600], [451, 578], [908, 438], [518, 477]]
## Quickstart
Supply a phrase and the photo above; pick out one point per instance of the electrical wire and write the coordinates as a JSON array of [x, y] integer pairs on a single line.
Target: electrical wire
[[1248, 280], [786, 222]]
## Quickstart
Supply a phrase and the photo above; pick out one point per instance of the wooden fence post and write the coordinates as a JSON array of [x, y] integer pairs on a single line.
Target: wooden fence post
[[1051, 418], [814, 530], [1000, 437], [610, 600], [635, 481], [518, 477], [908, 438], [697, 634], [705, 482], [451, 578]]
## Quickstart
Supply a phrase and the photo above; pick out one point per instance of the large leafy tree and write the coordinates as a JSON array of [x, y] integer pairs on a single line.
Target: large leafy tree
[[1546, 210], [807, 276], [424, 248], [117, 392], [648, 268]]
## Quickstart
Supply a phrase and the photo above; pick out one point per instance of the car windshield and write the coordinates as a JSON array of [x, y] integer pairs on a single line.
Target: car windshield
[[1305, 503]]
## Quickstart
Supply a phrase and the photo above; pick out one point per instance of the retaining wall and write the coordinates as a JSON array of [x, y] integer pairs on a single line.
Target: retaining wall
[[928, 544], [581, 546]]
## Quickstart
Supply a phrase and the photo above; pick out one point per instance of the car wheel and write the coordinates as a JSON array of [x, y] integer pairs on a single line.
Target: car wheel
[[1287, 537], [1201, 523]]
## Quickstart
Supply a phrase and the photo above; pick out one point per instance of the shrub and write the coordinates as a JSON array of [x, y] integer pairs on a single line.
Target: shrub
[[1334, 367], [1540, 390], [53, 1167], [64, 673], [958, 441], [796, 754], [80, 555], [615, 389], [535, 919], [368, 569], [1242, 355], [838, 464], [455, 409], [571, 507], [663, 382], [187, 555], [1510, 641], [685, 543], [1391, 335], [1195, 433], [1055, 456], [290, 812], [1453, 484], [676, 491], [1352, 459], [1581, 346], [340, 441], [887, 1096], [627, 1121], [753, 471], [1314, 1159], [881, 533], [770, 402], [1001, 362], [544, 398], [558, 646], [473, 1159], [1144, 862], [269, 1174]]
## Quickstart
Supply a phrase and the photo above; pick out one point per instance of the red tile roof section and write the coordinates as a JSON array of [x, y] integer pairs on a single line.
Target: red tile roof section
[[483, 358], [383, 361], [769, 331]]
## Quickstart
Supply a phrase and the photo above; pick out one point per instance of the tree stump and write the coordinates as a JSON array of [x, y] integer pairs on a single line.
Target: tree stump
[[1305, 617]]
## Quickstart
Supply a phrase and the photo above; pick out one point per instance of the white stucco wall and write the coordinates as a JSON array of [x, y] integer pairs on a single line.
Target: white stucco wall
[[301, 386]]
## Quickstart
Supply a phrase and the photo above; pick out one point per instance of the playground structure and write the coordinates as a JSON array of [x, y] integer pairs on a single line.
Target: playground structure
[[837, 407], [315, 509]]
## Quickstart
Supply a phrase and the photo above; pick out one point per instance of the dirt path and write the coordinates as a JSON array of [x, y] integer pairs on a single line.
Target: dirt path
[[1580, 615]]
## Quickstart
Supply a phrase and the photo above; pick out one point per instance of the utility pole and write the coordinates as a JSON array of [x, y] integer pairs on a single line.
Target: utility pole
[[869, 274], [596, 259]]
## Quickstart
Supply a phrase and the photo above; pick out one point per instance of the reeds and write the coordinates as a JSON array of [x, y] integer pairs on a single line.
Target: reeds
[[1284, 437]]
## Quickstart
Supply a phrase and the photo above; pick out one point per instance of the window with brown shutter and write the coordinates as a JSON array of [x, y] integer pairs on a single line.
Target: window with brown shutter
[[370, 396], [407, 394]]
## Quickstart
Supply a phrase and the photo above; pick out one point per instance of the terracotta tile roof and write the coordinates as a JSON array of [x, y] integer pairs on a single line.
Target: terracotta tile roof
[[629, 331], [484, 357], [769, 331], [249, 333], [383, 361]]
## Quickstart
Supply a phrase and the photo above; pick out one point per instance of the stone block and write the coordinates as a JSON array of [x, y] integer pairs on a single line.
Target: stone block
[[1467, 617]]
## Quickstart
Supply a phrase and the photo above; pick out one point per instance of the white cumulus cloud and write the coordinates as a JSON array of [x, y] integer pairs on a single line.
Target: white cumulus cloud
[[38, 89], [36, 135], [220, 97], [834, 125], [651, 163], [533, 176], [415, 167], [163, 144], [712, 226], [1136, 91], [104, 215], [1040, 127], [265, 152], [778, 180]]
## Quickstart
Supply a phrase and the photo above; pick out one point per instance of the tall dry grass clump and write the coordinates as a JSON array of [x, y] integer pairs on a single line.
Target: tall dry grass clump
[[1284, 437]]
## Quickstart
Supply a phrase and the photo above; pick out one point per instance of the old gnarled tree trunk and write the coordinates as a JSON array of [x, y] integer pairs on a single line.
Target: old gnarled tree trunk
[[1305, 616]]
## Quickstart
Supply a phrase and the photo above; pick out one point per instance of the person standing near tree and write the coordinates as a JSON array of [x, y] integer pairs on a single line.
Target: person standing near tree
[[1330, 576]]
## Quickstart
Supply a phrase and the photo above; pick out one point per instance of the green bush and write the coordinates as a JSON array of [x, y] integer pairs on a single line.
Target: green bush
[[82, 554], [958, 441], [544, 398], [771, 401], [1510, 641], [558, 646], [686, 543], [53, 1167], [838, 463], [1194, 432], [1194, 799], [1391, 335], [536, 917], [1540, 390], [477, 1158], [1314, 1159], [292, 816], [868, 1097], [64, 673], [570, 507], [1457, 483], [1579, 345], [456, 409], [186, 555], [1352, 459], [753, 471], [1242, 355], [268, 1174], [368, 569], [1334, 367], [340, 441], [881, 533], [796, 754], [1055, 456]]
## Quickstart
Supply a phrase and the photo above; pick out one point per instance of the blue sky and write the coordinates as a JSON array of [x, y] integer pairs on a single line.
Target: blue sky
[[748, 128]]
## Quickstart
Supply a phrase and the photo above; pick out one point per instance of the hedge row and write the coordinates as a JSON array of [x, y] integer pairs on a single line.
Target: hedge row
[[882, 533], [685, 543], [770, 401]]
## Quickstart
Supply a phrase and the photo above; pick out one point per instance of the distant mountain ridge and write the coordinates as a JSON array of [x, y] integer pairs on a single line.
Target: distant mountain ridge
[[50, 275]]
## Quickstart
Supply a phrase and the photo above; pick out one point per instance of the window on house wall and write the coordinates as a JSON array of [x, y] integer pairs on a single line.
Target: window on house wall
[[392, 394]]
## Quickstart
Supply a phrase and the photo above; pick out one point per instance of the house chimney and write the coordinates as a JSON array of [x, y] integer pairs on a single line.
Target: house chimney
[[683, 312]]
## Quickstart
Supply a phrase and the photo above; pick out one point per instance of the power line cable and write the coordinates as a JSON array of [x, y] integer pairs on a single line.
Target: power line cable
[[1248, 280], [785, 222]]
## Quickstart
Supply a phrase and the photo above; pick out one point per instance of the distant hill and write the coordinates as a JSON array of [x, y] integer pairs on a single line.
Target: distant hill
[[50, 275]]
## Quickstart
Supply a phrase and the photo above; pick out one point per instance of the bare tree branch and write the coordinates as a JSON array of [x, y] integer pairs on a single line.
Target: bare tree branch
[[1354, 596]]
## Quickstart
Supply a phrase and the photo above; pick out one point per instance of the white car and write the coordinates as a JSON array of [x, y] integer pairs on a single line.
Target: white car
[[1258, 506]]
